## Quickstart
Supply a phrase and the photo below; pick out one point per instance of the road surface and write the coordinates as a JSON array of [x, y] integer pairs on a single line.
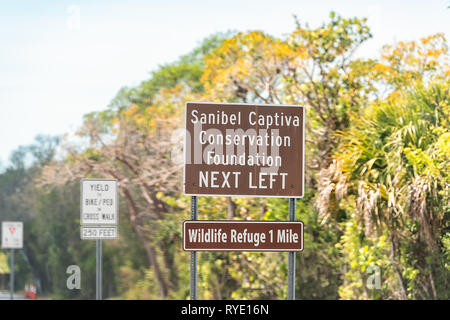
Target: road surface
[[6, 296]]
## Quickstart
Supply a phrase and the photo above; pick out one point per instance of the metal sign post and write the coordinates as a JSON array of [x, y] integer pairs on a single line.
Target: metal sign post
[[12, 238], [98, 287], [99, 215], [194, 214], [244, 150], [291, 256], [11, 279]]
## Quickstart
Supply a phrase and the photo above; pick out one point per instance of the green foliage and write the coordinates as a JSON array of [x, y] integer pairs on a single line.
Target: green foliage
[[4, 264], [395, 167], [361, 254]]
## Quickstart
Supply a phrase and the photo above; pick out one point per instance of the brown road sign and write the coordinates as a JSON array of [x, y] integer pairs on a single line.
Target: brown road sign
[[244, 150], [231, 235]]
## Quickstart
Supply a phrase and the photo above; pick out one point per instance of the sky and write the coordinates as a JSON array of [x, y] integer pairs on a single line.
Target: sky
[[62, 59]]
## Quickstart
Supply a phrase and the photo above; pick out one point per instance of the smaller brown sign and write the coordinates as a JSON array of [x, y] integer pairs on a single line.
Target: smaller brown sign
[[231, 235]]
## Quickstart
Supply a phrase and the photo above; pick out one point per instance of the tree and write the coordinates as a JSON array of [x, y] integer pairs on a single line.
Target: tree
[[133, 143], [311, 67], [392, 169], [377, 134]]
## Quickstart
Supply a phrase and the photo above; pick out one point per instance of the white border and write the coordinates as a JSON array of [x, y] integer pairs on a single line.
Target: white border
[[99, 227], [81, 204], [21, 239], [243, 221], [244, 195]]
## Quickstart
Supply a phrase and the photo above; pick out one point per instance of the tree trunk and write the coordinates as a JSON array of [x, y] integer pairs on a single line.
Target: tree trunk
[[169, 264], [151, 253], [231, 208], [403, 293]]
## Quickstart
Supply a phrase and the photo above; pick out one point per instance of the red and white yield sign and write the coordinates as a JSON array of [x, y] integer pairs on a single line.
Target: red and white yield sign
[[12, 235]]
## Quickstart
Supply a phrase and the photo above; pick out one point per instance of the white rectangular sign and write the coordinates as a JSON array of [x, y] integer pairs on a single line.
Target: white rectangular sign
[[94, 233], [12, 235], [99, 202]]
